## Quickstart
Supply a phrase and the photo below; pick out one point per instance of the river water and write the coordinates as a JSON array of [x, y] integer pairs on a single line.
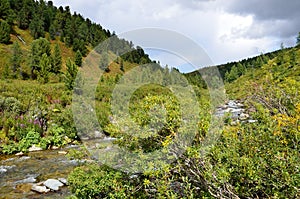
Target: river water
[[18, 172]]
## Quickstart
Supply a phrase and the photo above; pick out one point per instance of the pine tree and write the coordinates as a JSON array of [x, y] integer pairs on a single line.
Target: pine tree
[[78, 58], [4, 8], [36, 27], [79, 45], [240, 69], [56, 60], [45, 65], [16, 58], [83, 31], [232, 75], [52, 31], [38, 48], [4, 32], [70, 74]]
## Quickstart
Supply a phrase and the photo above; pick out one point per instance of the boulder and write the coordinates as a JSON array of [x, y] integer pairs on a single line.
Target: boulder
[[54, 147], [30, 179], [19, 154], [39, 189], [53, 184], [34, 148], [63, 180]]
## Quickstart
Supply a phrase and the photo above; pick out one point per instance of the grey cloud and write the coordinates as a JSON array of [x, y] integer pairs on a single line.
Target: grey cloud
[[279, 18], [267, 9]]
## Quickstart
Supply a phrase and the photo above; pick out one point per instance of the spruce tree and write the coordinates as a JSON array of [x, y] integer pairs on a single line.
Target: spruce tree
[[38, 48], [4, 8], [52, 32], [70, 74], [240, 69], [45, 65], [56, 60], [4, 32], [16, 58], [78, 58], [36, 27]]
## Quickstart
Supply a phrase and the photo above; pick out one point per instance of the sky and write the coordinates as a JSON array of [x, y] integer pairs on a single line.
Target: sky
[[227, 30]]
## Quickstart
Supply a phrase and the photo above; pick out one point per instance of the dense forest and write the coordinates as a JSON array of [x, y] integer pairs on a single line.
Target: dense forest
[[254, 154]]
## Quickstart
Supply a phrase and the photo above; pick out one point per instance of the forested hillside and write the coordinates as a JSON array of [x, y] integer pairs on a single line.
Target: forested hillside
[[70, 34]]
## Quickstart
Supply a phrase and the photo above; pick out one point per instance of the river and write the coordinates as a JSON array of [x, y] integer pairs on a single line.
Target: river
[[18, 172]]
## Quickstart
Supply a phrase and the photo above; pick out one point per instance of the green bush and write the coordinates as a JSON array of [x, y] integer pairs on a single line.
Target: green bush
[[101, 182]]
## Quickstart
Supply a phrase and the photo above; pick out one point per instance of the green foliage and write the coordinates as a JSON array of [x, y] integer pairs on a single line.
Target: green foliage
[[4, 8], [101, 182], [232, 75], [70, 74], [45, 65], [16, 58], [10, 105], [4, 32], [56, 60], [37, 27], [33, 112], [78, 58], [39, 47], [79, 45]]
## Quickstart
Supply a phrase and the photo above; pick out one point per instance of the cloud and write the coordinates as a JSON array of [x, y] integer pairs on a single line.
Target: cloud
[[271, 18]]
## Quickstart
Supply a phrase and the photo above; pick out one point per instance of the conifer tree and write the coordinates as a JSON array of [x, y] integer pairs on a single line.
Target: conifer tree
[[4, 8], [4, 32], [45, 65], [56, 60], [16, 58], [70, 74], [78, 58], [36, 27], [38, 48]]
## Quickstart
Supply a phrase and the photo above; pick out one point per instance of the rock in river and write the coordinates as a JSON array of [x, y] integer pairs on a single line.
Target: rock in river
[[40, 189], [63, 180], [53, 184], [34, 148]]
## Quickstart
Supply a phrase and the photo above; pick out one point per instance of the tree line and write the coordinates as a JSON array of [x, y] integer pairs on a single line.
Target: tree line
[[74, 30]]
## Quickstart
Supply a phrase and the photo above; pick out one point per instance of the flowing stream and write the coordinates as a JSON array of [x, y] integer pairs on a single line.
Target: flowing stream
[[18, 172]]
